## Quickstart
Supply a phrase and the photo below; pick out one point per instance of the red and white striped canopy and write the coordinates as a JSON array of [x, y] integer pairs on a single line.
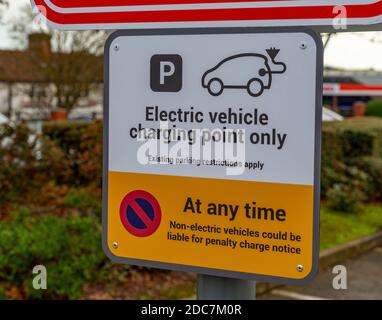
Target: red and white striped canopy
[[349, 89]]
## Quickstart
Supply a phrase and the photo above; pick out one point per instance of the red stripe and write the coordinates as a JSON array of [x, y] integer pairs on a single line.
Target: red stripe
[[285, 13], [140, 213], [117, 3], [360, 87]]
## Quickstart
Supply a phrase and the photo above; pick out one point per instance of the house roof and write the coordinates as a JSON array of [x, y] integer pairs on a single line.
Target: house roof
[[20, 66], [26, 66], [366, 77]]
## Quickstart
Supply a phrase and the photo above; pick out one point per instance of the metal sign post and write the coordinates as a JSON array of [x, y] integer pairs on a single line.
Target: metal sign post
[[218, 288]]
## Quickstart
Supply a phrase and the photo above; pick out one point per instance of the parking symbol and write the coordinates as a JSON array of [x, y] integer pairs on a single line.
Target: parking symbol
[[166, 73]]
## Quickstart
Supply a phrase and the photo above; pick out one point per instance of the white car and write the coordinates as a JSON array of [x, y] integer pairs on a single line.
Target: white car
[[3, 119], [250, 71], [330, 115]]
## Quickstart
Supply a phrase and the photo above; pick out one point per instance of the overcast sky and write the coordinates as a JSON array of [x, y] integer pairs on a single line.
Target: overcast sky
[[347, 50]]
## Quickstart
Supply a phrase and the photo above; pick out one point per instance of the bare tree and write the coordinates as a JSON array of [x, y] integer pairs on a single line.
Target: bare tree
[[326, 37], [75, 62], [75, 65], [3, 5]]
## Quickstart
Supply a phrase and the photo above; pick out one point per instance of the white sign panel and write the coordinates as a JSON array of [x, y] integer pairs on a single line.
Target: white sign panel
[[235, 80]]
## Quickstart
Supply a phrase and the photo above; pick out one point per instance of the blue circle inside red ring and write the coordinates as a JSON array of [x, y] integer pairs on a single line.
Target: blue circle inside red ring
[[131, 221]]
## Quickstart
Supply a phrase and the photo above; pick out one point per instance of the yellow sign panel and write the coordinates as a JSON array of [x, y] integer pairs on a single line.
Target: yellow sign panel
[[250, 212], [219, 224]]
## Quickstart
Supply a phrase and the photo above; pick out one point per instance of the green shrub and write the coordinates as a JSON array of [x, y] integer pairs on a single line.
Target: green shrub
[[352, 138], [91, 157], [85, 200], [70, 249], [27, 163], [17, 160], [331, 147], [342, 198], [374, 108], [373, 167], [356, 144], [82, 146], [67, 135], [345, 187], [346, 180], [3, 295]]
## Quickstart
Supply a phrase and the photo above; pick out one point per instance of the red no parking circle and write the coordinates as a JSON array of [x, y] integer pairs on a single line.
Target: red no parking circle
[[140, 213]]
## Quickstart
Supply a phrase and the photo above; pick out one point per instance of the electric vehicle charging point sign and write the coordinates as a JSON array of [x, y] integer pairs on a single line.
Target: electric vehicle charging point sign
[[212, 151]]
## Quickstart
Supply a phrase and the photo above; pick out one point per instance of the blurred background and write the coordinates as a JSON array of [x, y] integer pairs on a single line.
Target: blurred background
[[51, 104]]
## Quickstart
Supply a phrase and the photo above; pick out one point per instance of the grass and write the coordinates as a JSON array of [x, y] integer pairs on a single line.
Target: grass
[[181, 292], [338, 227]]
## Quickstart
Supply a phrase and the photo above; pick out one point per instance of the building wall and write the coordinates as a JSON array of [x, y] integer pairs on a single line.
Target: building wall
[[27, 97]]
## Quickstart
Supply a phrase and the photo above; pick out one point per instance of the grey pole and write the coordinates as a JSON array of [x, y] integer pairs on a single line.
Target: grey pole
[[218, 288]]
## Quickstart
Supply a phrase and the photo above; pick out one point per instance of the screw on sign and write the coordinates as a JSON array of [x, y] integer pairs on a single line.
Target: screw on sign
[[121, 14], [140, 213]]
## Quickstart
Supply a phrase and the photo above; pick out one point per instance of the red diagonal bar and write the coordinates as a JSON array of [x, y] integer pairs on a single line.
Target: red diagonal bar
[[141, 213]]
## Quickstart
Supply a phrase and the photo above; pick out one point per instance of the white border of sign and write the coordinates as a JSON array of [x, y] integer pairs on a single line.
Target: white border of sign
[[317, 156]]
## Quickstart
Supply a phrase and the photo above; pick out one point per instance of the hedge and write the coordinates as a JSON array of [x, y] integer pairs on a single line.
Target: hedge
[[351, 162], [341, 141], [33, 167], [72, 158], [374, 108], [353, 138], [66, 134], [82, 146], [27, 163]]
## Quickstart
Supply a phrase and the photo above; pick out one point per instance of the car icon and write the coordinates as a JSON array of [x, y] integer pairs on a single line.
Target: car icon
[[250, 71]]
